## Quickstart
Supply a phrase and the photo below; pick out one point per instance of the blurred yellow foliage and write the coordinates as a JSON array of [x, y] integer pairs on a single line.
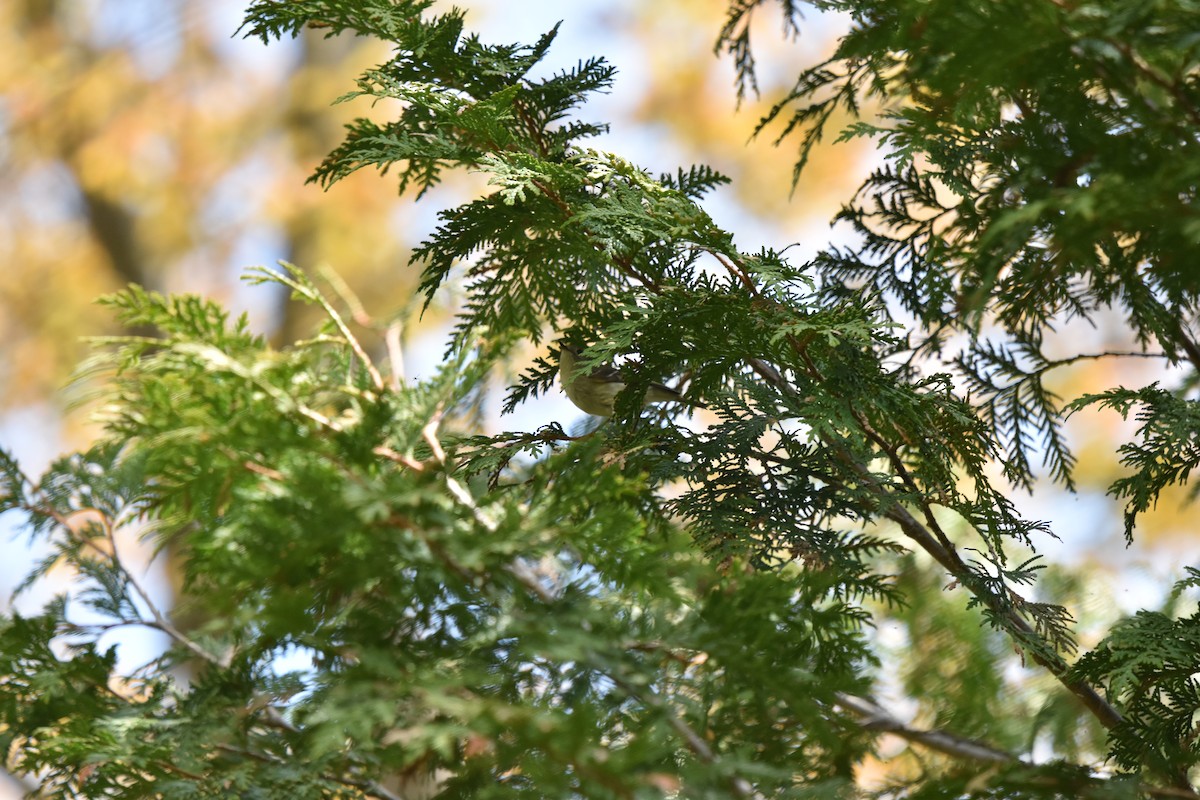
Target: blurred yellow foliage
[[690, 92], [172, 157]]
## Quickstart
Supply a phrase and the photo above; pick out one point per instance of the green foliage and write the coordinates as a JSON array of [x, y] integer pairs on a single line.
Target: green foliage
[[1167, 448], [1148, 664], [561, 639], [1040, 172], [656, 609]]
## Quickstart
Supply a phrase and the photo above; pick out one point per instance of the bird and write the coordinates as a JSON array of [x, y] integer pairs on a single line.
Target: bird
[[595, 391]]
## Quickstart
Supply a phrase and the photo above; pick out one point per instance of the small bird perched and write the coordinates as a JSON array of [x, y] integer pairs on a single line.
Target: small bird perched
[[595, 392]]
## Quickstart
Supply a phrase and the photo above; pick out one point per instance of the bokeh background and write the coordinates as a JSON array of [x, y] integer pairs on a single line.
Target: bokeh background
[[145, 141]]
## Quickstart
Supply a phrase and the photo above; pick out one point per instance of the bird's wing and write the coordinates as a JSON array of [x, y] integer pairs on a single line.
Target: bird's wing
[[608, 373]]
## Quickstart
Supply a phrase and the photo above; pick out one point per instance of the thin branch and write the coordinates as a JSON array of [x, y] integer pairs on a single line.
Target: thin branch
[[519, 570], [160, 620], [395, 351], [1152, 75], [357, 311], [873, 717], [399, 458], [694, 741], [736, 271], [373, 787], [1017, 627], [310, 293], [1188, 343], [947, 556], [1059, 362]]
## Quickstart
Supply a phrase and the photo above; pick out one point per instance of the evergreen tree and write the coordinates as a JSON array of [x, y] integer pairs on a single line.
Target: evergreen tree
[[661, 608]]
